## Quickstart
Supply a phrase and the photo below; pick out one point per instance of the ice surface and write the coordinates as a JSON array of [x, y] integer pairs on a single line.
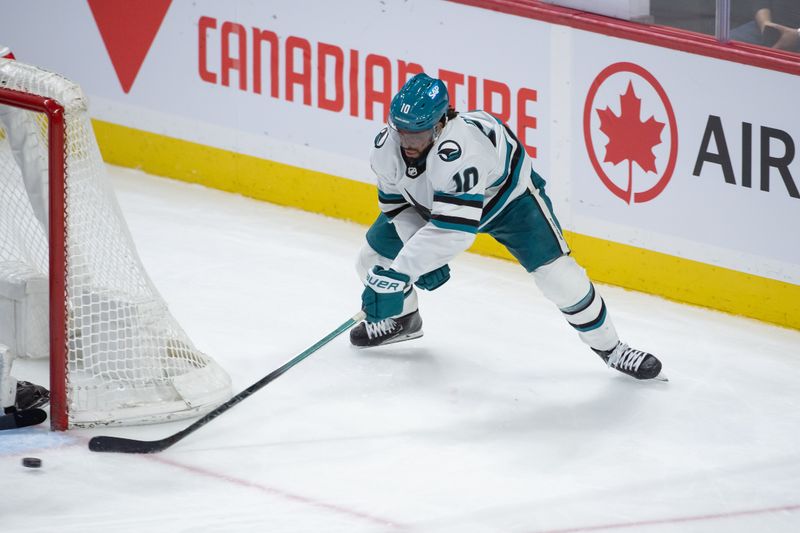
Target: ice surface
[[497, 420]]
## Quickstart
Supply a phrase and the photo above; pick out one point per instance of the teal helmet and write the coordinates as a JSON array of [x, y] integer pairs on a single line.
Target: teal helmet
[[419, 105]]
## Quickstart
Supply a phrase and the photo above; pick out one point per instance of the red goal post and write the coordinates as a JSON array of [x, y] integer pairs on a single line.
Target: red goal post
[[117, 355], [56, 129]]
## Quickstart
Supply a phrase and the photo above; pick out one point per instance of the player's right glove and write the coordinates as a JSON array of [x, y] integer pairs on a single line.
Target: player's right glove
[[384, 293], [434, 279]]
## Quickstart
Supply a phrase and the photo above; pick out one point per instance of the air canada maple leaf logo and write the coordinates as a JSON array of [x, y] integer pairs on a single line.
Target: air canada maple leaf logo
[[630, 138]]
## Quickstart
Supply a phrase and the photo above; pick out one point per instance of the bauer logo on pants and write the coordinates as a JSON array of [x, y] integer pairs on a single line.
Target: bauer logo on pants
[[630, 132]]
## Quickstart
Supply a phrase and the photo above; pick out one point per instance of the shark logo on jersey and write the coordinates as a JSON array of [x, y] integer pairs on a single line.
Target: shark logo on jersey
[[381, 137], [449, 151]]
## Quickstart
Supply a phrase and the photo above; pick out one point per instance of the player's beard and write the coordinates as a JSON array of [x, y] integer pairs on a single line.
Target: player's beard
[[415, 153]]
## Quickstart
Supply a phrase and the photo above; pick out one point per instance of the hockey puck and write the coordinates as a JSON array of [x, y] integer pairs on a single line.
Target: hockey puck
[[31, 462]]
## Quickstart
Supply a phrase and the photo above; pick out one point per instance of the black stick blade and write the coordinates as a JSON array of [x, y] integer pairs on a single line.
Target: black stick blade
[[122, 445]]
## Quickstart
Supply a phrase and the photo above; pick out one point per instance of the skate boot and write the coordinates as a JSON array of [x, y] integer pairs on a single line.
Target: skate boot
[[635, 363], [398, 329]]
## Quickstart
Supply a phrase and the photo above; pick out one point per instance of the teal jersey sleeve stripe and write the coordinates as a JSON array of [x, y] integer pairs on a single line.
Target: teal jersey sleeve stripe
[[390, 198], [467, 197], [453, 226], [468, 200]]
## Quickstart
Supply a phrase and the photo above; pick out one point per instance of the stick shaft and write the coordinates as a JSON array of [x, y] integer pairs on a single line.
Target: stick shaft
[[117, 444]]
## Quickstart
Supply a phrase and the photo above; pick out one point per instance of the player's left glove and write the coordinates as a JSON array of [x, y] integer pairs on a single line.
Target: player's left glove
[[434, 279], [384, 293]]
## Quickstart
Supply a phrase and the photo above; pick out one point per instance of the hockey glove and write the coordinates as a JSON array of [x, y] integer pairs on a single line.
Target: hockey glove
[[384, 293], [434, 279]]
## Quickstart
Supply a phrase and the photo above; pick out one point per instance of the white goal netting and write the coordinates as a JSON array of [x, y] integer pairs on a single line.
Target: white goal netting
[[127, 359]]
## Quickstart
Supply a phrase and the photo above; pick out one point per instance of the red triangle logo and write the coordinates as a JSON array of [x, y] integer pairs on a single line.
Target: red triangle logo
[[128, 30]]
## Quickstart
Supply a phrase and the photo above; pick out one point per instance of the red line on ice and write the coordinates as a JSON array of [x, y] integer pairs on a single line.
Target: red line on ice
[[676, 520], [283, 494]]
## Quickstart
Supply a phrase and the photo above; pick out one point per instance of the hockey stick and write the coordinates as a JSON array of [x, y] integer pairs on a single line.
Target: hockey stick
[[22, 418], [122, 445]]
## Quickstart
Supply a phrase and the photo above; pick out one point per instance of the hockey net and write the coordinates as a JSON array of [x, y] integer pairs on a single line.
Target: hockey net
[[72, 286]]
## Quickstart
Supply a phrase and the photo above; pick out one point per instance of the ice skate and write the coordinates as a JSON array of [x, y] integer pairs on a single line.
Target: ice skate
[[635, 363], [403, 328]]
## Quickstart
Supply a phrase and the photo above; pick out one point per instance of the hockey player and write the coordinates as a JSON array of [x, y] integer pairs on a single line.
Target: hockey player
[[444, 176]]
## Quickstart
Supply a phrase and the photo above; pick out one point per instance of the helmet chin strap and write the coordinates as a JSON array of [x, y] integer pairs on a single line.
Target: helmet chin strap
[[437, 130]]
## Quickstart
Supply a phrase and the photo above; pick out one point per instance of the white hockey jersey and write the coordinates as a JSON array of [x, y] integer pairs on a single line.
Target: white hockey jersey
[[472, 171]]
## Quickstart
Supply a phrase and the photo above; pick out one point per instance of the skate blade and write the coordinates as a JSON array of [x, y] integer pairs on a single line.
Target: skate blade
[[399, 338], [661, 377]]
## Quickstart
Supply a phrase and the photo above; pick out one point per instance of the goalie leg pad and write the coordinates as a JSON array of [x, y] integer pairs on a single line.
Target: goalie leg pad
[[8, 384], [565, 283]]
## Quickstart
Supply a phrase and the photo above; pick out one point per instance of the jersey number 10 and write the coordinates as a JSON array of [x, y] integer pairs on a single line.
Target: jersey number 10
[[469, 180]]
